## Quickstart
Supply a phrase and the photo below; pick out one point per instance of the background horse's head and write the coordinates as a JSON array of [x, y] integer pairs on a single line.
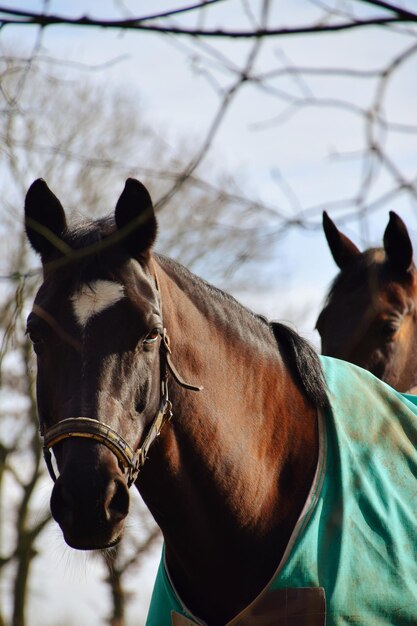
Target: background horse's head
[[370, 315], [96, 329]]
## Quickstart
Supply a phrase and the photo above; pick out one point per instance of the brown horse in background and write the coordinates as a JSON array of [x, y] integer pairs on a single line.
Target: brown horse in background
[[370, 314]]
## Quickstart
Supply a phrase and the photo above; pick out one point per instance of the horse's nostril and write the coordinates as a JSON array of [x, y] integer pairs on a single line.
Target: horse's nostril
[[116, 505], [62, 504], [91, 513]]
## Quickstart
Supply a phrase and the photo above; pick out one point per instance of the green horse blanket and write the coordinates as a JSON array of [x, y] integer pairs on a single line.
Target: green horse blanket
[[352, 557]]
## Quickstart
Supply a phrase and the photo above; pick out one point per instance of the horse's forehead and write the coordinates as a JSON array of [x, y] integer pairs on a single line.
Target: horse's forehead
[[370, 277], [88, 297], [91, 299]]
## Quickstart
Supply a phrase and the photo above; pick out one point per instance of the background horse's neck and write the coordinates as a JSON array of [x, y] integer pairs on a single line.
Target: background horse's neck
[[231, 472]]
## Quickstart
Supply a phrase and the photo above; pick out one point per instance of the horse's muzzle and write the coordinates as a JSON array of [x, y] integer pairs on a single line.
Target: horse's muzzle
[[91, 503]]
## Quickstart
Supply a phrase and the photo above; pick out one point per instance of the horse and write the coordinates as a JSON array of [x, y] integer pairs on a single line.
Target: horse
[[228, 426], [370, 314]]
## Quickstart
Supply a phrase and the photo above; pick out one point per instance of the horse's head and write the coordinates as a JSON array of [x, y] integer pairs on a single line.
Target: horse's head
[[97, 330], [370, 316]]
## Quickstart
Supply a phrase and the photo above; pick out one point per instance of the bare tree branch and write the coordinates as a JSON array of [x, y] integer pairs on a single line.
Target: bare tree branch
[[24, 18], [400, 11]]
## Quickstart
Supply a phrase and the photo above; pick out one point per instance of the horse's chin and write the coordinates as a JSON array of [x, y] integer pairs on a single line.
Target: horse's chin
[[89, 544]]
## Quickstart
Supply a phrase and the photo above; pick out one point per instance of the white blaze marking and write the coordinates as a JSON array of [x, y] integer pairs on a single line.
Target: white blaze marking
[[94, 298]]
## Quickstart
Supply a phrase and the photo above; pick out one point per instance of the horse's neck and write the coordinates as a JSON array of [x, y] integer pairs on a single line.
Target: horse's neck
[[235, 464]]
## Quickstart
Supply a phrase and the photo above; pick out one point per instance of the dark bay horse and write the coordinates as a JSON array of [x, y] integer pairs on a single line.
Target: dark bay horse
[[370, 314], [224, 423]]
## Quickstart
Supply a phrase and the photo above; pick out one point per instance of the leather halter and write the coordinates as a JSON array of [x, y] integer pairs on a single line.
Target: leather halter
[[130, 460]]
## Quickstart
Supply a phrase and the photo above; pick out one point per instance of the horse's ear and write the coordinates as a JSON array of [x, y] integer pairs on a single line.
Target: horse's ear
[[135, 218], [397, 244], [44, 218], [342, 248]]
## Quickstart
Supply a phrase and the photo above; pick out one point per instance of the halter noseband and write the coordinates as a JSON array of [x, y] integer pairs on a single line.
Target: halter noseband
[[130, 460]]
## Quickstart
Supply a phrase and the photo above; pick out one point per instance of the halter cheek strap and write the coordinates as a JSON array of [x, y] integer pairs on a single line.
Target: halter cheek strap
[[130, 460]]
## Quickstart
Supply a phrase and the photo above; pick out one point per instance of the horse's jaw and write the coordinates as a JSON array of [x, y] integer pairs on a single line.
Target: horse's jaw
[[80, 545]]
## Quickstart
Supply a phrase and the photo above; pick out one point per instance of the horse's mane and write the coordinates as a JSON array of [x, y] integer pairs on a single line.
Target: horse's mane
[[301, 358], [86, 233], [208, 289], [303, 362]]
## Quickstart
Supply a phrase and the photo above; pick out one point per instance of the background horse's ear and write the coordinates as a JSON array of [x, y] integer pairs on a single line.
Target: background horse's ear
[[397, 243], [135, 217], [342, 248], [44, 219]]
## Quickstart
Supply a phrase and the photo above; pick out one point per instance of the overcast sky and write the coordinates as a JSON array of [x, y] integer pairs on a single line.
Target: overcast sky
[[315, 152]]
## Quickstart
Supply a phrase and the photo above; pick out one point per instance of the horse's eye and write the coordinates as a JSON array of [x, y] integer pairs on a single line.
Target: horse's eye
[[388, 330], [152, 337]]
